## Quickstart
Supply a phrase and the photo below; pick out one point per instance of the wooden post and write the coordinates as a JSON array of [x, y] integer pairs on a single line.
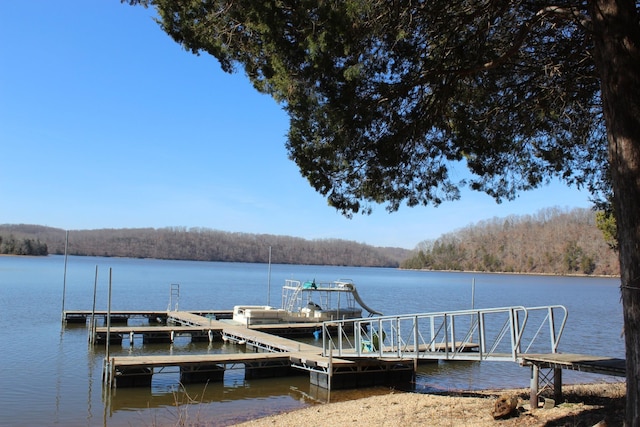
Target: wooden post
[[533, 393], [557, 385]]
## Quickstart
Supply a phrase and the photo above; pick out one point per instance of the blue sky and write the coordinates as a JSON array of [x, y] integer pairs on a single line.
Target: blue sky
[[105, 122]]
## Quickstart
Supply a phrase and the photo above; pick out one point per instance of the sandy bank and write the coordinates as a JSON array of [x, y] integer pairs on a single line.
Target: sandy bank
[[583, 405]]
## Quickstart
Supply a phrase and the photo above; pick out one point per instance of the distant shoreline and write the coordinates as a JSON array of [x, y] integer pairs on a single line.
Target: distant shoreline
[[602, 276]]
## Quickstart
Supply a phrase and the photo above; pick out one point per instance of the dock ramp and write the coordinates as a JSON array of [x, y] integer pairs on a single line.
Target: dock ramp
[[499, 334]]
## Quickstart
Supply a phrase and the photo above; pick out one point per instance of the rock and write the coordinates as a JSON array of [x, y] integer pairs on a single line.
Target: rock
[[549, 404], [505, 406]]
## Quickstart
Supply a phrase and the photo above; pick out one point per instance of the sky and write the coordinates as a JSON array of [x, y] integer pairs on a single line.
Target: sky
[[105, 122]]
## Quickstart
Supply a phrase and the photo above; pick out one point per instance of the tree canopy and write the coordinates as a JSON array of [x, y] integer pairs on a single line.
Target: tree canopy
[[389, 102], [394, 102]]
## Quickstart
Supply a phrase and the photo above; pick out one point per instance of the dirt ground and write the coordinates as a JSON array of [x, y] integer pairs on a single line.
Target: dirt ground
[[583, 405]]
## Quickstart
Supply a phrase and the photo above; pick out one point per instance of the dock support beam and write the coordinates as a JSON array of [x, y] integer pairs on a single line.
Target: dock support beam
[[533, 387], [557, 385], [536, 389]]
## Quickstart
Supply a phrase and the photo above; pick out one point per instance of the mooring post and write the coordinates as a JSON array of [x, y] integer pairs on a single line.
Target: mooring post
[[533, 394], [107, 369], [330, 373], [92, 337], [64, 277]]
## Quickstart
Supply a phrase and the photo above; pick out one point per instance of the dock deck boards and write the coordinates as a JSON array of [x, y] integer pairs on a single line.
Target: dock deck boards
[[294, 353], [79, 315], [186, 359], [578, 362], [237, 332], [151, 329]]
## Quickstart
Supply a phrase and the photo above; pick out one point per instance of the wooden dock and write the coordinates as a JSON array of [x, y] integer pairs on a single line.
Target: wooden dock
[[117, 316], [554, 363], [268, 354], [122, 316], [577, 362], [272, 356], [137, 371], [325, 372], [156, 334]]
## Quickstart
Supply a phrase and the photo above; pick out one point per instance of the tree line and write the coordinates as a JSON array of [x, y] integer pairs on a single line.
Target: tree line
[[552, 241], [202, 244], [9, 245]]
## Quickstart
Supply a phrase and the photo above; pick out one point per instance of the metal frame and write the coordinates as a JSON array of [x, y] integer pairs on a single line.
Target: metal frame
[[500, 334]]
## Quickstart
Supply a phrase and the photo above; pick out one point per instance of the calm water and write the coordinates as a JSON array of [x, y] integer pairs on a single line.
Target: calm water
[[49, 375]]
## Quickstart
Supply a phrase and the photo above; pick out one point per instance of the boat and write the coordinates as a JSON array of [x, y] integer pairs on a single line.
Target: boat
[[308, 302]]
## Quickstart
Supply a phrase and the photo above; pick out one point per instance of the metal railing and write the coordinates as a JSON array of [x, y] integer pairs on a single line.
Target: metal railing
[[500, 334], [174, 296]]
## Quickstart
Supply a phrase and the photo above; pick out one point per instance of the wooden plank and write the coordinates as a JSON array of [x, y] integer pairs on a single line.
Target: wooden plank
[[242, 333], [186, 359], [267, 340], [85, 314], [151, 329], [188, 318]]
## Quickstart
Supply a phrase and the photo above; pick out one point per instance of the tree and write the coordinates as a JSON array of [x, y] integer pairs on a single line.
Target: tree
[[389, 100]]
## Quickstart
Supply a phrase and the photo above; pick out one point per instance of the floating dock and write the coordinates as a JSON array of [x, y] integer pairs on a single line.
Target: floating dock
[[363, 364], [272, 356], [156, 334], [122, 316]]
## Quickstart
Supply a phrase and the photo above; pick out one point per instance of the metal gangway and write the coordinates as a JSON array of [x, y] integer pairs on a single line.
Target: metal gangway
[[497, 334]]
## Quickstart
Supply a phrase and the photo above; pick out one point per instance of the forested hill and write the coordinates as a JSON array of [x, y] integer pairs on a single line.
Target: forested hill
[[198, 244], [553, 241]]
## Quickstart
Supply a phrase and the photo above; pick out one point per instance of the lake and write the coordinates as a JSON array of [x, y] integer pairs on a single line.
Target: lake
[[51, 376]]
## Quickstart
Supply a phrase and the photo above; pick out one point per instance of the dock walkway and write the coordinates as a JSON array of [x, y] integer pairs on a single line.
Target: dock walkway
[[339, 366], [272, 356], [529, 336]]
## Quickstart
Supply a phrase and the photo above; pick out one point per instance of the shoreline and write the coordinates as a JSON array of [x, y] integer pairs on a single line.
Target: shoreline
[[602, 276], [583, 405], [424, 270]]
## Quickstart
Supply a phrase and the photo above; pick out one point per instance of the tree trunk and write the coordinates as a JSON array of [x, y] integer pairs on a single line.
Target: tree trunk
[[616, 51]]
